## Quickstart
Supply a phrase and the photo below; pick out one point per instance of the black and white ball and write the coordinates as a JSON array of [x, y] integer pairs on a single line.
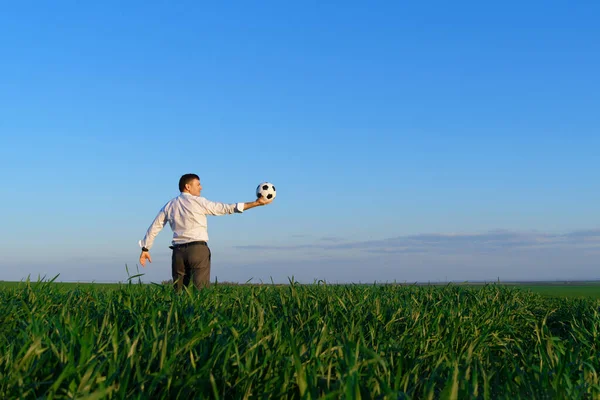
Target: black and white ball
[[266, 190]]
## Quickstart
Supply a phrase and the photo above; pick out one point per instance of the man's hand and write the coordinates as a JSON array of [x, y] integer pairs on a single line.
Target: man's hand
[[145, 256], [263, 201]]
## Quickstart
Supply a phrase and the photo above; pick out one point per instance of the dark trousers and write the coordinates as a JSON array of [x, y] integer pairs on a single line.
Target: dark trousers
[[191, 263]]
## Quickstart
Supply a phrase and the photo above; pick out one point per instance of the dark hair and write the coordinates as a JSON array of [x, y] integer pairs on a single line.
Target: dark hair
[[185, 179]]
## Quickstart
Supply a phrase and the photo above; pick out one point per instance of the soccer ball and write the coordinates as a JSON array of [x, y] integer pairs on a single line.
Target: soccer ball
[[266, 190]]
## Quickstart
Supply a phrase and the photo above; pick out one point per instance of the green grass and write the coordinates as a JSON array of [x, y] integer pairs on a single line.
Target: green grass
[[296, 341], [543, 288]]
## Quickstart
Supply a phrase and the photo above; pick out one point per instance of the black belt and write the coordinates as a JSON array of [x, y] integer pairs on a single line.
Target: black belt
[[184, 245]]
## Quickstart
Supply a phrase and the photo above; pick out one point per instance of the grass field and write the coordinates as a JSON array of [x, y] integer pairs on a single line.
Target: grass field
[[296, 341], [549, 289]]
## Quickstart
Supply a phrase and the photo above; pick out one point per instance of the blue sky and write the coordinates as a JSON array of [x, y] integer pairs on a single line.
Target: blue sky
[[420, 142]]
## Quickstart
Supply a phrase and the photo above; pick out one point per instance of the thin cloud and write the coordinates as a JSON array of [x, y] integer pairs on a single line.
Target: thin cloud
[[332, 239], [587, 235], [491, 241], [276, 247]]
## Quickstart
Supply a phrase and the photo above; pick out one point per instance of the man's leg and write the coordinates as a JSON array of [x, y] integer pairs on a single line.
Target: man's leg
[[199, 262], [178, 269]]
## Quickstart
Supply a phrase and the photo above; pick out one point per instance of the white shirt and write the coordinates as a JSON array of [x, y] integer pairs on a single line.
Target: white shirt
[[186, 215]]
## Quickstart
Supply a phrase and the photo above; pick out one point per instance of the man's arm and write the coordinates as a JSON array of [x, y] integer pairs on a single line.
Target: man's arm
[[157, 225], [216, 208], [257, 203]]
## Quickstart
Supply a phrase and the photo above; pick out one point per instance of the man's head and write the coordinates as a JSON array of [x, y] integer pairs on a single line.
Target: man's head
[[190, 183]]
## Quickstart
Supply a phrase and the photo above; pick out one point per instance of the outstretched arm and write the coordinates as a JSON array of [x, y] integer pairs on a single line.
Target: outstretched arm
[[216, 208], [257, 203]]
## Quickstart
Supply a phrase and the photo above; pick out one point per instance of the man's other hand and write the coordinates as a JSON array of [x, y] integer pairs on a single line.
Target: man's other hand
[[145, 256]]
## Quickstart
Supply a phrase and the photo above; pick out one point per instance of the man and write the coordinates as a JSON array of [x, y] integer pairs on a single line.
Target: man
[[186, 214]]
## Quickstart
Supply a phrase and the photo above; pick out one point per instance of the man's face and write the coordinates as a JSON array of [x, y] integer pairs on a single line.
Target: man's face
[[194, 187]]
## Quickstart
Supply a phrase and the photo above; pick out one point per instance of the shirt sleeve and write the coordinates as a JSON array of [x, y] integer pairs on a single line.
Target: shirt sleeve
[[217, 208], [156, 226]]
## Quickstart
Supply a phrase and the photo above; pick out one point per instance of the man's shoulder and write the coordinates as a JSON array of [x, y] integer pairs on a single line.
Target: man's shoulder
[[187, 198], [172, 201]]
